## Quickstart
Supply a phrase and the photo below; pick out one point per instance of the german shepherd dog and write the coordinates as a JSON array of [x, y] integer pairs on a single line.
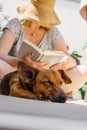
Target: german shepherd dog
[[31, 83]]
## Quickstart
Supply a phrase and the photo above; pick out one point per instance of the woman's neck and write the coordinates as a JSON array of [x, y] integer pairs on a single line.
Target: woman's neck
[[36, 35]]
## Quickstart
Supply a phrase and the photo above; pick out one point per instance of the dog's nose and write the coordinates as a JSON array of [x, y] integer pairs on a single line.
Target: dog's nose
[[61, 98]]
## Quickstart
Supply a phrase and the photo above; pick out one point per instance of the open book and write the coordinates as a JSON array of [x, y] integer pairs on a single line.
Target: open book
[[27, 47]]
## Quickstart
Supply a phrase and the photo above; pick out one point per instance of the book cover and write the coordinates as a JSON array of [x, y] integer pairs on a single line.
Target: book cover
[[28, 47], [52, 57]]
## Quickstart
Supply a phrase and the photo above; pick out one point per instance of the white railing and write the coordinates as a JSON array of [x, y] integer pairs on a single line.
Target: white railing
[[74, 0]]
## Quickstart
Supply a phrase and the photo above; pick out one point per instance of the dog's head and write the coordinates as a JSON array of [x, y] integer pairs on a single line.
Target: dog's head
[[45, 83]]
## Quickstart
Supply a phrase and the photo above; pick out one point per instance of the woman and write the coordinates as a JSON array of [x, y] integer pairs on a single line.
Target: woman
[[83, 9], [37, 24]]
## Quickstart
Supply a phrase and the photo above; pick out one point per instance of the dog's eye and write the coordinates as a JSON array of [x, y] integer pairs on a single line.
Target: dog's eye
[[47, 82]]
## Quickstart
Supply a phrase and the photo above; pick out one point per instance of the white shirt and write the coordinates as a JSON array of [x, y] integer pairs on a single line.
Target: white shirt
[[50, 38]]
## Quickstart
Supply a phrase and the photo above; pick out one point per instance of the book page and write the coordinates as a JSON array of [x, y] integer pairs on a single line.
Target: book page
[[52, 57]]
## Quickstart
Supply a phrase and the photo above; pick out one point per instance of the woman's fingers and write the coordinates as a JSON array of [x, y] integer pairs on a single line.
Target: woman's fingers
[[36, 64], [40, 65], [58, 66]]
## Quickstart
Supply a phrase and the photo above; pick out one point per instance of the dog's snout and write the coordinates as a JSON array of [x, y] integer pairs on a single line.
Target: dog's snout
[[61, 98]]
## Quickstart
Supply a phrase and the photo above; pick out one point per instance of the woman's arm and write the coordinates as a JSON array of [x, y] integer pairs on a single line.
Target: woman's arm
[[6, 41], [13, 61], [11, 33]]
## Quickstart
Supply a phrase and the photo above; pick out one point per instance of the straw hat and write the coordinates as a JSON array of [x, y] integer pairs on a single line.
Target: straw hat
[[83, 9], [41, 11]]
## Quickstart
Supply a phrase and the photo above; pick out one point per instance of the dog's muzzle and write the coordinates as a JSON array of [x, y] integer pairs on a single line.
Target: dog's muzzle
[[61, 98]]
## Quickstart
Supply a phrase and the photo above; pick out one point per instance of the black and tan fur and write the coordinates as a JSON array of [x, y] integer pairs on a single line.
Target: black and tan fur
[[28, 82]]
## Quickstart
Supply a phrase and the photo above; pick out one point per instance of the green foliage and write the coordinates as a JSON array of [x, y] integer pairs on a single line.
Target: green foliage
[[84, 46], [76, 54], [82, 89], [85, 83]]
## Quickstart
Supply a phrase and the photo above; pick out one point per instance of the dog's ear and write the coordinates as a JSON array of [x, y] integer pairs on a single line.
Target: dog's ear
[[26, 73], [4, 83], [65, 77]]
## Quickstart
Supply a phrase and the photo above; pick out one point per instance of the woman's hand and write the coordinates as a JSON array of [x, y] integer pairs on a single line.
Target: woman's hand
[[36, 64], [66, 63]]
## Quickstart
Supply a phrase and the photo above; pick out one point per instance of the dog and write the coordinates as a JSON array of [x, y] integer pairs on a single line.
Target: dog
[[31, 83]]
